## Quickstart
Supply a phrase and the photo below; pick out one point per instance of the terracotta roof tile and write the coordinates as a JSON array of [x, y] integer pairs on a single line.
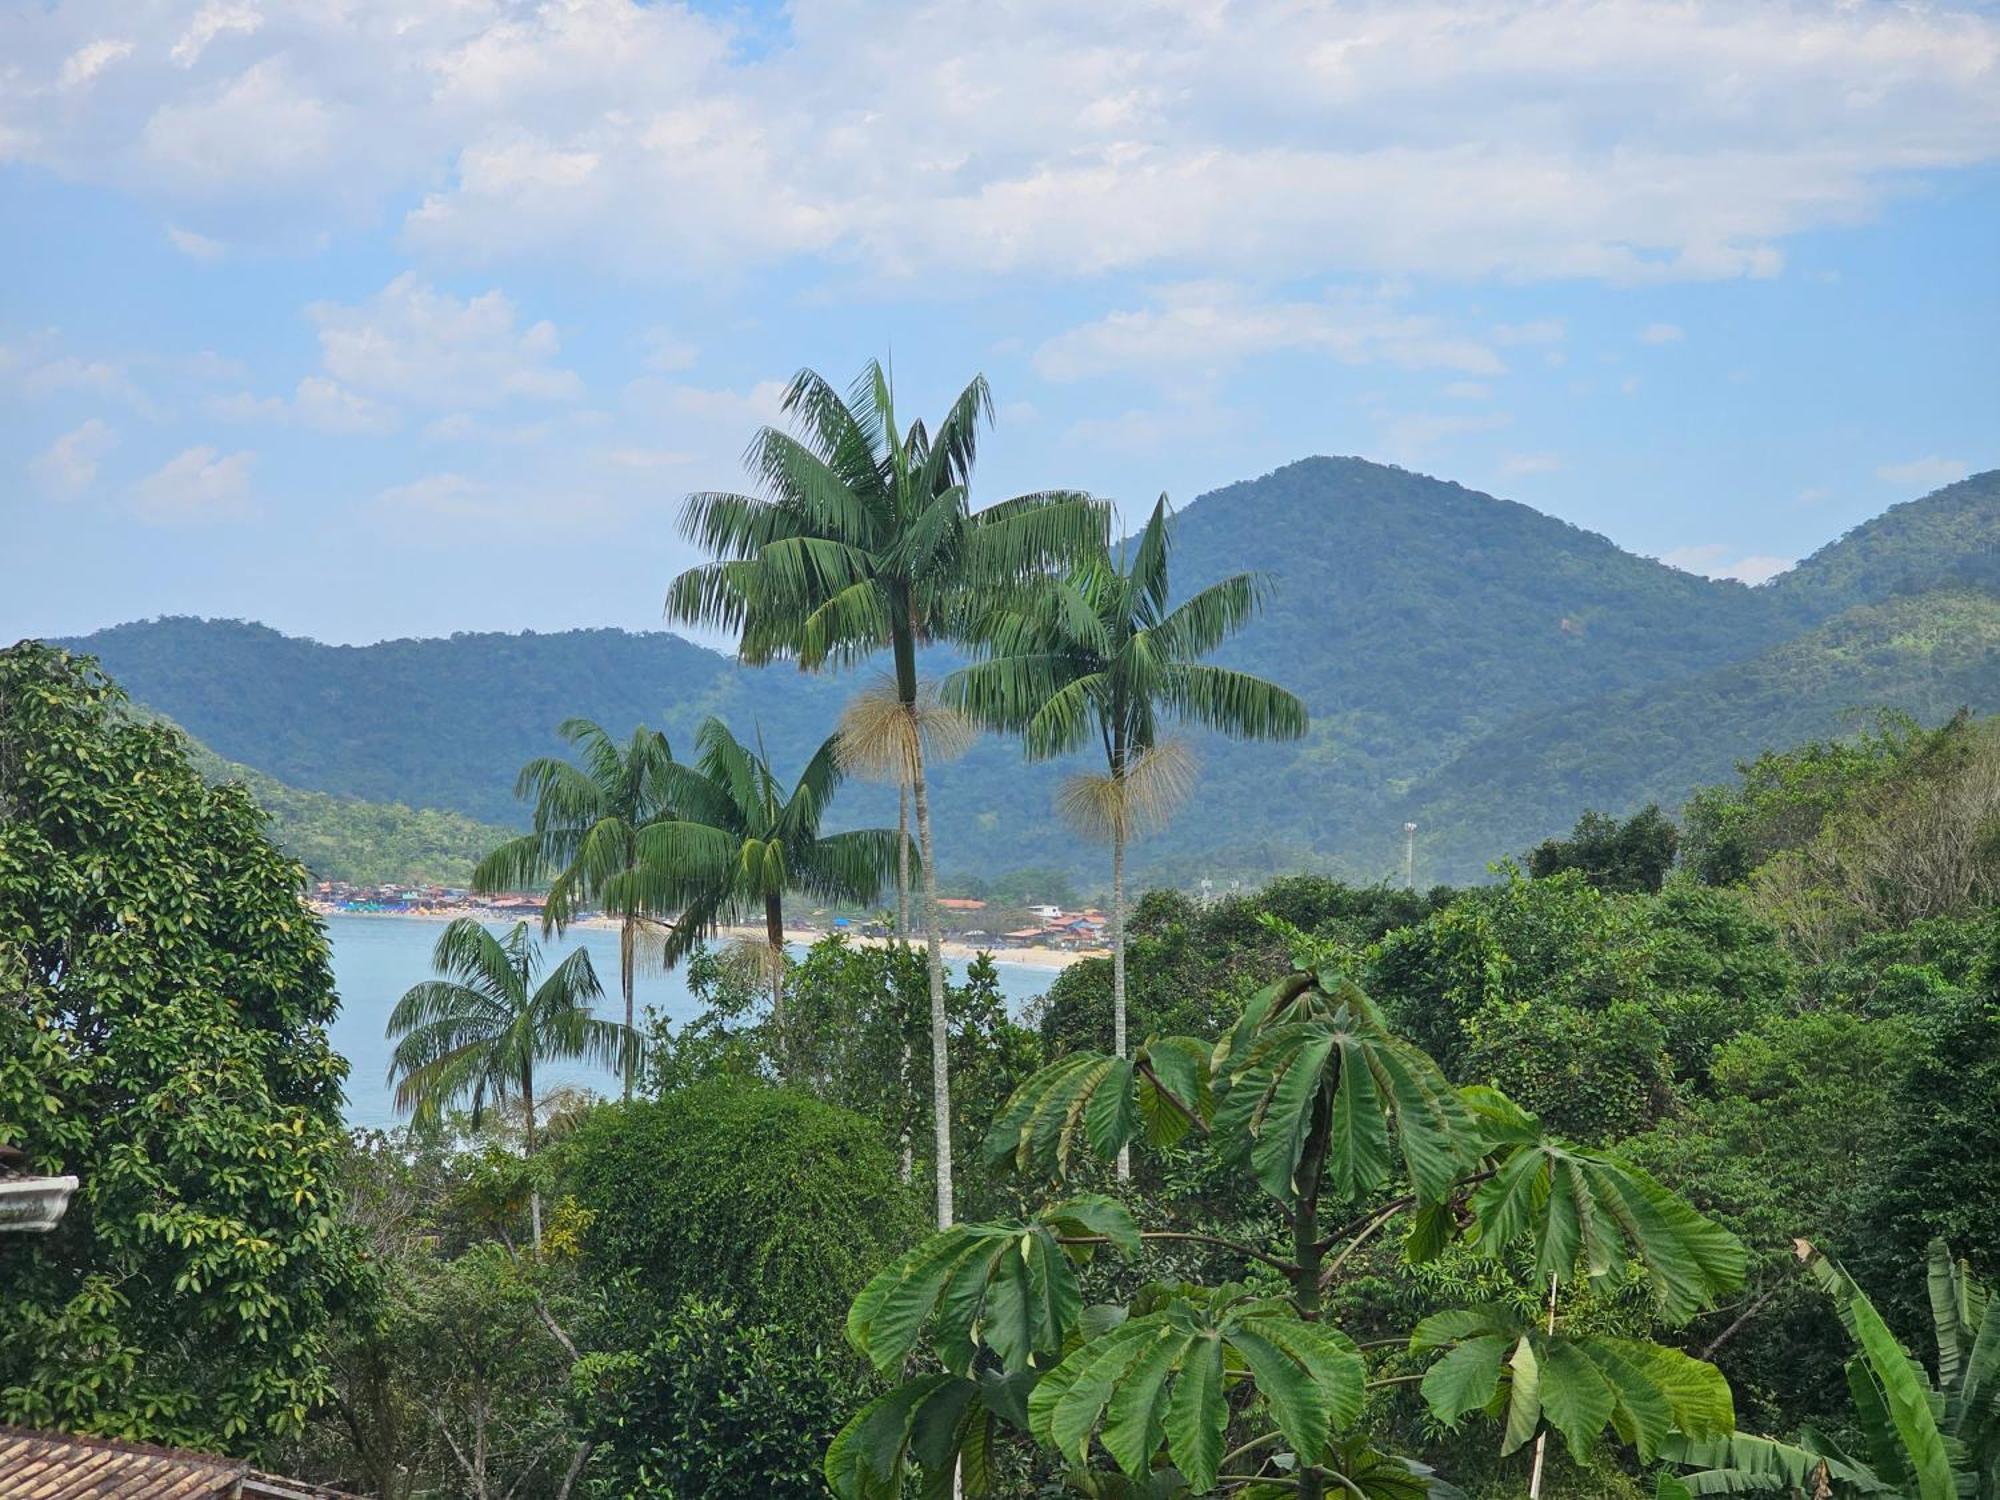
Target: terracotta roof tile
[[57, 1466]]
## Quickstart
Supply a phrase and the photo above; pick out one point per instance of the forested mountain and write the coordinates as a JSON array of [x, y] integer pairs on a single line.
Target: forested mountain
[[363, 843], [1469, 663]]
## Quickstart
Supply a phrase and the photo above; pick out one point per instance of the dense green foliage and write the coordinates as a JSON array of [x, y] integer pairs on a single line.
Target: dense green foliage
[[164, 996], [1249, 1385], [361, 843], [764, 1197], [1484, 670], [1634, 855]]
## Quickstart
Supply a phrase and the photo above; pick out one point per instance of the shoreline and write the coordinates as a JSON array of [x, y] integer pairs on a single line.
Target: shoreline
[[1053, 959]]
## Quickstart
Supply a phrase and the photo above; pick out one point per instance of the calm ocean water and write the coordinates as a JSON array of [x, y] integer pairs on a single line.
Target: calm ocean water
[[376, 958]]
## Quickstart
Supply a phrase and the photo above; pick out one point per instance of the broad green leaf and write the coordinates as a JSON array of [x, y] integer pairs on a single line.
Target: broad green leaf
[[1112, 1117], [1904, 1391], [1524, 1396], [1357, 1155], [1575, 1399], [1096, 1214], [1135, 1417], [1198, 1414], [1466, 1379], [866, 1458], [1299, 1404]]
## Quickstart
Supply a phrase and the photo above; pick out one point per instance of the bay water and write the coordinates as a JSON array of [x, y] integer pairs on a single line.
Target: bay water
[[375, 959]]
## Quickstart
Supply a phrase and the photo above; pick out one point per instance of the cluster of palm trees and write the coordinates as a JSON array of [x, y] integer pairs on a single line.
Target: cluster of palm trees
[[862, 539]]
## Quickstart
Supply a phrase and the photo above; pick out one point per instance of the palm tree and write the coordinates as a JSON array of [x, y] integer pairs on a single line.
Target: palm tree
[[587, 823], [478, 1032], [1096, 654], [865, 538], [741, 842]]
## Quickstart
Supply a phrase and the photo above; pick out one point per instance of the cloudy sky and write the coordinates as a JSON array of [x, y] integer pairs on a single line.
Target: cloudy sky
[[382, 317]]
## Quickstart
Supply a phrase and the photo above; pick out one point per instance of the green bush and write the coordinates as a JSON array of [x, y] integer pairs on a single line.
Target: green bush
[[715, 1408], [733, 1190]]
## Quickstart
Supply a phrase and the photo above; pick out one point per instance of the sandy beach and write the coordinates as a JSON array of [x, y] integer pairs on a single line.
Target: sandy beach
[[1029, 958]]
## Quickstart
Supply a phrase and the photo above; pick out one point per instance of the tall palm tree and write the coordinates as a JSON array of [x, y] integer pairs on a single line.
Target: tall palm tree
[[478, 1031], [741, 842], [1097, 654], [586, 834], [865, 538]]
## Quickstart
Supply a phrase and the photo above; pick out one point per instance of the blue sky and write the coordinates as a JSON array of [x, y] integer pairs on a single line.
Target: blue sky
[[397, 317]]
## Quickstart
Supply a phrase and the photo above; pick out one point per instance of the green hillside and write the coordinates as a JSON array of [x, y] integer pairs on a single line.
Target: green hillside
[[1451, 647], [1949, 538], [1925, 654], [363, 843]]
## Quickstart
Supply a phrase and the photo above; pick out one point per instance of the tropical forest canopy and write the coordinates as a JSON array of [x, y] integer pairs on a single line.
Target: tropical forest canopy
[[1473, 666], [1430, 1192]]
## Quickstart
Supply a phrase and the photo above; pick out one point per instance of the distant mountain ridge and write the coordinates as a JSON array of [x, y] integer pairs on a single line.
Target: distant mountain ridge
[[1471, 664]]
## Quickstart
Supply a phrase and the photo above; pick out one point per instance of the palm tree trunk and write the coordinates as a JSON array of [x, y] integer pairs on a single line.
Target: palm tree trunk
[[903, 927], [1118, 973], [628, 939], [903, 861], [774, 934], [534, 1192], [940, 1023]]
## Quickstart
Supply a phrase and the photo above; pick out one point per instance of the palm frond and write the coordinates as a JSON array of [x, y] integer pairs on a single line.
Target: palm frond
[[1233, 702]]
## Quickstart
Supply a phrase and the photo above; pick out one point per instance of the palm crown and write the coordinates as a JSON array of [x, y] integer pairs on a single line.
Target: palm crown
[[742, 840], [479, 1031], [865, 537], [587, 822], [1097, 652]]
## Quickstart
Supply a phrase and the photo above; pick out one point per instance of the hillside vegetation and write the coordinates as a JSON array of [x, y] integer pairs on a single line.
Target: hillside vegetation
[[362, 843], [1469, 663]]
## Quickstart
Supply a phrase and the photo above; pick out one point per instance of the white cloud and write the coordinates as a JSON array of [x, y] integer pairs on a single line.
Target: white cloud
[[451, 495], [214, 19], [92, 58], [700, 408], [1516, 464], [319, 403], [195, 246], [1211, 326], [665, 352], [68, 466], [414, 343], [1662, 333], [1468, 390], [1812, 494], [1927, 473], [201, 484], [1757, 568], [1613, 139], [1717, 560]]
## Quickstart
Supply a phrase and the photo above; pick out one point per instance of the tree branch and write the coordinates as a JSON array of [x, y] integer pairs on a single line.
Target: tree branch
[[1181, 1234]]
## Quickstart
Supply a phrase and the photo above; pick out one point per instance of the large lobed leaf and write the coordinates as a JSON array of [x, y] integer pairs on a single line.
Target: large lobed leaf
[[1496, 1362], [1009, 1287]]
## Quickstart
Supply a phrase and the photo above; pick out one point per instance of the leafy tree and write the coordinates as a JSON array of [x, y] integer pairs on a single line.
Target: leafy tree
[[1096, 654], [1927, 1438], [164, 997], [1623, 857], [480, 1030], [866, 538], [1246, 1386], [735, 1191], [738, 842], [588, 821], [717, 1406]]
